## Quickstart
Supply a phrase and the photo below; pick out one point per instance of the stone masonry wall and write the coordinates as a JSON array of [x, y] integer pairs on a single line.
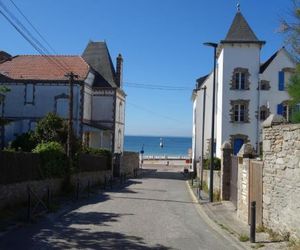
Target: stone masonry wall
[[129, 162], [16, 193], [217, 179], [281, 178], [243, 190]]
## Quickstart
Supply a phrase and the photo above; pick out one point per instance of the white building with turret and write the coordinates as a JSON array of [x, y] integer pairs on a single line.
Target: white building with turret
[[247, 91]]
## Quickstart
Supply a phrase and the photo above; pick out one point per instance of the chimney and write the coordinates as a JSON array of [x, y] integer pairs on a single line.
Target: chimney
[[119, 71]]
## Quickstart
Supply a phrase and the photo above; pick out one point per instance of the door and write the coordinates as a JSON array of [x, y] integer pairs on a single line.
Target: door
[[256, 189], [237, 144]]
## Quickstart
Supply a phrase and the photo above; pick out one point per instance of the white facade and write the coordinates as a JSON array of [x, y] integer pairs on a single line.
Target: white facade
[[24, 111], [246, 91]]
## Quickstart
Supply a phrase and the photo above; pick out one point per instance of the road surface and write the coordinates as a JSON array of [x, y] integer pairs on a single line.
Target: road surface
[[153, 212]]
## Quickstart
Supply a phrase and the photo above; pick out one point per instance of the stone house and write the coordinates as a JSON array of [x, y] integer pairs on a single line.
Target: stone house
[[247, 91], [39, 85]]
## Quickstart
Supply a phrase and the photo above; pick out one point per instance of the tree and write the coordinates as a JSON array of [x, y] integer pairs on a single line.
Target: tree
[[294, 92], [51, 128], [291, 29]]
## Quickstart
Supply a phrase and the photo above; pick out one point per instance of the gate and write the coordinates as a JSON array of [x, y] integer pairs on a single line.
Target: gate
[[255, 189], [233, 180]]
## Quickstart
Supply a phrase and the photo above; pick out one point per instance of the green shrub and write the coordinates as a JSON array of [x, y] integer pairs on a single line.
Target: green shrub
[[54, 160], [25, 142], [97, 152], [217, 164]]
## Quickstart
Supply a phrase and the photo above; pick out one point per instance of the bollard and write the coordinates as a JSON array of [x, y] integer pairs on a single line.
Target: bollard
[[77, 190], [28, 204], [192, 182], [48, 198], [253, 222], [105, 181], [111, 182], [89, 188]]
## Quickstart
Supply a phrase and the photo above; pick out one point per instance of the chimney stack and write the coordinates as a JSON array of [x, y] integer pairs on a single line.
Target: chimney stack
[[119, 71]]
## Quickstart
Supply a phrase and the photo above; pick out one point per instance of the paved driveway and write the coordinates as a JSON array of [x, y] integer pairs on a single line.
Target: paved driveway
[[155, 212]]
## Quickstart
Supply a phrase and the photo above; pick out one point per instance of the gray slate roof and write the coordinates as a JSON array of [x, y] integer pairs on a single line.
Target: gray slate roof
[[201, 80], [96, 54], [241, 32]]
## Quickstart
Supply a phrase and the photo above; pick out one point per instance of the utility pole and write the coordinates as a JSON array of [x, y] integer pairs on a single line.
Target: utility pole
[[212, 142], [71, 77], [203, 130]]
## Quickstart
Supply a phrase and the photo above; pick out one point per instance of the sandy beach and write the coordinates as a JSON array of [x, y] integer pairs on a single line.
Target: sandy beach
[[170, 162]]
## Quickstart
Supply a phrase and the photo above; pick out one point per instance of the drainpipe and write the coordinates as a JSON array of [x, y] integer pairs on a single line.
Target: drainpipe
[[258, 118]]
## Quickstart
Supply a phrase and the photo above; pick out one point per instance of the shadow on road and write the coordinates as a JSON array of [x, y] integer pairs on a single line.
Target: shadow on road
[[79, 230], [159, 200]]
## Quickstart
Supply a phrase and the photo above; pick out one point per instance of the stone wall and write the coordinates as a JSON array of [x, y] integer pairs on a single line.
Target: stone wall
[[281, 178], [243, 189], [217, 179], [16, 193], [129, 162]]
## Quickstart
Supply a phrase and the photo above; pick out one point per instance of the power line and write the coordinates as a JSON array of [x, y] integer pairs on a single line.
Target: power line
[[156, 86], [21, 29], [37, 31]]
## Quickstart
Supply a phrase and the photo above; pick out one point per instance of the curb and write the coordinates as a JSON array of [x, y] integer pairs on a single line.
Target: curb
[[234, 242]]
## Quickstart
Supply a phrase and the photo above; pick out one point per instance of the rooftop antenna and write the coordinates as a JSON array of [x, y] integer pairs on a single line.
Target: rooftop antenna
[[238, 6]]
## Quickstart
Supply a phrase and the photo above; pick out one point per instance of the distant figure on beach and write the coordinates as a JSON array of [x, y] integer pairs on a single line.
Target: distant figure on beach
[[167, 164], [161, 144]]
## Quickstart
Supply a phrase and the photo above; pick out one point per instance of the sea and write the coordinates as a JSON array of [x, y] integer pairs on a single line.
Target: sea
[[172, 146]]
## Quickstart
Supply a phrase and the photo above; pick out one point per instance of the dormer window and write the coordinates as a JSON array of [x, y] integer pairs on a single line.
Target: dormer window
[[240, 79]]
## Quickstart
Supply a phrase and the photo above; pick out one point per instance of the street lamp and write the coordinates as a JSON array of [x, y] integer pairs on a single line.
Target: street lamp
[[211, 184]]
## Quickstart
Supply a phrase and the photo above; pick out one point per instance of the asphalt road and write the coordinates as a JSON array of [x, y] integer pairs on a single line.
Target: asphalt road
[[154, 212]]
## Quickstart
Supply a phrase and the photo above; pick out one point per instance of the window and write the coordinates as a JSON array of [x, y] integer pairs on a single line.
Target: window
[[285, 110], [62, 105], [240, 79], [264, 112], [264, 85], [29, 94], [239, 111]]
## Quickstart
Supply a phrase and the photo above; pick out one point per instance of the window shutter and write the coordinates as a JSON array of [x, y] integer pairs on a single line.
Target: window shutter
[[281, 81], [279, 109]]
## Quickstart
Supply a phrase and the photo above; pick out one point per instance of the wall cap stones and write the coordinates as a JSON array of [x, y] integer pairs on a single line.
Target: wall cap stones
[[274, 120], [246, 151], [226, 145]]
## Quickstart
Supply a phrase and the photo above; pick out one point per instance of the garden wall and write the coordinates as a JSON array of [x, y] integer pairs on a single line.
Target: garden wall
[[18, 170], [129, 162], [281, 178]]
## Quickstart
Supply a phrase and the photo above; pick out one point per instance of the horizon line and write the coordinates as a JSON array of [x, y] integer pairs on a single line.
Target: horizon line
[[183, 136]]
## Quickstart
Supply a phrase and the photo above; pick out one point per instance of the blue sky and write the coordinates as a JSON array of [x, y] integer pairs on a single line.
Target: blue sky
[[160, 40]]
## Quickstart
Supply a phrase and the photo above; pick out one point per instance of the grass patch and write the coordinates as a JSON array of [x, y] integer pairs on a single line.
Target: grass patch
[[243, 238], [257, 246], [294, 245], [261, 229]]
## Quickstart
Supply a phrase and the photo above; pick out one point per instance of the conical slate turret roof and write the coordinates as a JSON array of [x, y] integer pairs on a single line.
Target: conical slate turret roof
[[241, 32]]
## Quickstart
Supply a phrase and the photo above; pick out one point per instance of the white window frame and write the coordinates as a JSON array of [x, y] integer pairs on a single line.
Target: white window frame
[[241, 112], [238, 80]]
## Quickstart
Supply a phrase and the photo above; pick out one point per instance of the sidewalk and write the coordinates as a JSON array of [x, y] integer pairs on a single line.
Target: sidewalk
[[224, 215]]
